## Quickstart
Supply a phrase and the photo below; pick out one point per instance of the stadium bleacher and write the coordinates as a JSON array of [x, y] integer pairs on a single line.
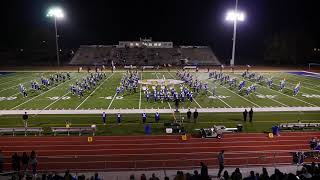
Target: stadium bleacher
[[123, 55]]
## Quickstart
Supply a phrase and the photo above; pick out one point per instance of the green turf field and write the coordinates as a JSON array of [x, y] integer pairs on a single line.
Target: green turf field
[[102, 97], [58, 96], [132, 123]]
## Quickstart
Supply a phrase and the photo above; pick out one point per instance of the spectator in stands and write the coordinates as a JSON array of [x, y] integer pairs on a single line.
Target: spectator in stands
[[305, 174], [291, 176], [196, 175], [245, 113], [33, 162], [250, 115], [153, 177], [226, 175], [251, 177], [15, 162], [25, 161], [166, 178], [204, 170], [82, 177], [264, 175], [187, 176], [179, 176], [1, 161], [96, 176], [195, 116], [189, 115], [277, 175], [316, 173], [221, 162], [236, 175], [67, 175], [132, 177], [143, 177]]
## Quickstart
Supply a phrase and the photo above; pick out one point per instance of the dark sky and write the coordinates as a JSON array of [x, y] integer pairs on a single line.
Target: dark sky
[[199, 22]]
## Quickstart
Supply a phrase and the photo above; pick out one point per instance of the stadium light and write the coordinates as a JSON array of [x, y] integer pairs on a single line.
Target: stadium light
[[56, 13], [234, 16]]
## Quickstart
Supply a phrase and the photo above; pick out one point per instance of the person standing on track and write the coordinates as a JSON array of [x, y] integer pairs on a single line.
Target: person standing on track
[[221, 162], [245, 114], [250, 115], [104, 118]]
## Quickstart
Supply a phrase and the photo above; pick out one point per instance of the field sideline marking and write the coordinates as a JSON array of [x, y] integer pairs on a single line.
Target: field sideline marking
[[193, 98], [40, 94], [93, 91], [140, 91]]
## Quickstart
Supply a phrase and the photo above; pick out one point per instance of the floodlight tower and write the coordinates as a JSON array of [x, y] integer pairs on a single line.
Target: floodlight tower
[[234, 15], [56, 13]]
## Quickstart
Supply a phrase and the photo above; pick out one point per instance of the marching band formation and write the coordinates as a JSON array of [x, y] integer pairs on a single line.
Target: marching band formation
[[87, 84], [192, 85], [45, 83]]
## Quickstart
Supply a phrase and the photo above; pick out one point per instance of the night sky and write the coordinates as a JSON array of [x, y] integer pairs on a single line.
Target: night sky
[[191, 22]]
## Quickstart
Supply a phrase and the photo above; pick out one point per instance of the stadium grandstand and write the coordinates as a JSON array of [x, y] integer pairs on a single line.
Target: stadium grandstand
[[144, 52]]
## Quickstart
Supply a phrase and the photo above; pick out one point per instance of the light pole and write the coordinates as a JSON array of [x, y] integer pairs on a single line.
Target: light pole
[[234, 16], [56, 13]]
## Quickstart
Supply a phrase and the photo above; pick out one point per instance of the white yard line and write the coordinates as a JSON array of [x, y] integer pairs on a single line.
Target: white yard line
[[93, 91], [158, 78], [140, 92], [267, 97], [15, 80], [240, 96], [55, 101], [300, 80], [51, 104], [193, 98], [38, 95], [112, 100], [290, 96], [275, 100], [10, 87], [287, 95], [220, 99]]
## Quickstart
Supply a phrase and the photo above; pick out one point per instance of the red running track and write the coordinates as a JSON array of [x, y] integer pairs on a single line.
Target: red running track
[[156, 152]]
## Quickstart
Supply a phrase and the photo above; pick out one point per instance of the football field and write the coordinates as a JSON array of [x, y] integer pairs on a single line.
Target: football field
[[103, 96]]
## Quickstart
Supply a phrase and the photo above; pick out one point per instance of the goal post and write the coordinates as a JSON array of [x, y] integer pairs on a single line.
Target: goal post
[[313, 65]]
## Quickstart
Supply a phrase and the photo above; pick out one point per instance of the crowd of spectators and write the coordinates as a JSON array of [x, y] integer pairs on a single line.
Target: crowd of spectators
[[308, 172]]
